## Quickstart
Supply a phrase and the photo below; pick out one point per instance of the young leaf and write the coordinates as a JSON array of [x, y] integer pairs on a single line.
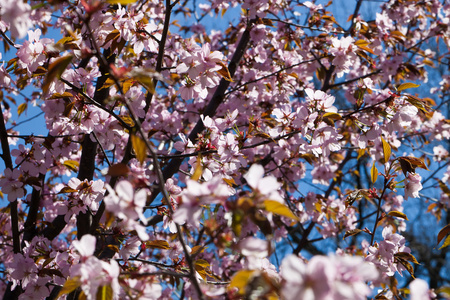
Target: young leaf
[[198, 170], [224, 72], [407, 85], [240, 280], [66, 190], [406, 256], [442, 233], [374, 173], [139, 148], [55, 69], [386, 150], [160, 244], [72, 165], [69, 286], [105, 292], [407, 266], [122, 2], [117, 170], [21, 108], [398, 214], [279, 209], [352, 232], [446, 243]]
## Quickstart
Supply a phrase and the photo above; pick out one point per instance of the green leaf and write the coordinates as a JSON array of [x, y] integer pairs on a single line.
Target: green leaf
[[139, 148], [279, 209], [374, 173], [397, 214], [55, 69], [407, 85]]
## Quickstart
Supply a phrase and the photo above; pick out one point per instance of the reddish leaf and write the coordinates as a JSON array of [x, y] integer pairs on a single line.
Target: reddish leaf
[[443, 233], [55, 69]]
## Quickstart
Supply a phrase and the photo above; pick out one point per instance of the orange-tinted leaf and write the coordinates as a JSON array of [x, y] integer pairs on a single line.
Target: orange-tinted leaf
[[113, 248], [374, 173], [352, 232], [118, 170], [105, 292], [279, 209], [419, 103], [122, 2], [413, 162], [59, 96], [198, 170], [197, 249], [397, 214], [240, 280], [55, 69], [160, 244], [66, 190], [21, 108], [361, 43], [230, 181], [224, 72], [139, 148], [407, 266], [332, 115], [72, 165], [147, 82], [386, 150], [202, 263], [406, 256], [407, 85], [443, 233], [69, 286], [68, 109], [446, 243], [127, 120]]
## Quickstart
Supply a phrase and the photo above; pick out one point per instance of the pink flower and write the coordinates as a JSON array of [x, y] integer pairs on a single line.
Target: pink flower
[[17, 15], [85, 246], [420, 290], [195, 196], [326, 277], [11, 185], [382, 253], [265, 186], [307, 281], [128, 205], [320, 100], [412, 185]]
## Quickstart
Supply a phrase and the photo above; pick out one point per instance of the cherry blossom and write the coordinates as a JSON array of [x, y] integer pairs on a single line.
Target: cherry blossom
[[412, 185], [163, 150]]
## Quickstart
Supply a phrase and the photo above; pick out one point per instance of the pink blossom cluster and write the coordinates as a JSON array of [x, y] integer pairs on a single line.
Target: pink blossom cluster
[[204, 151], [326, 277]]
